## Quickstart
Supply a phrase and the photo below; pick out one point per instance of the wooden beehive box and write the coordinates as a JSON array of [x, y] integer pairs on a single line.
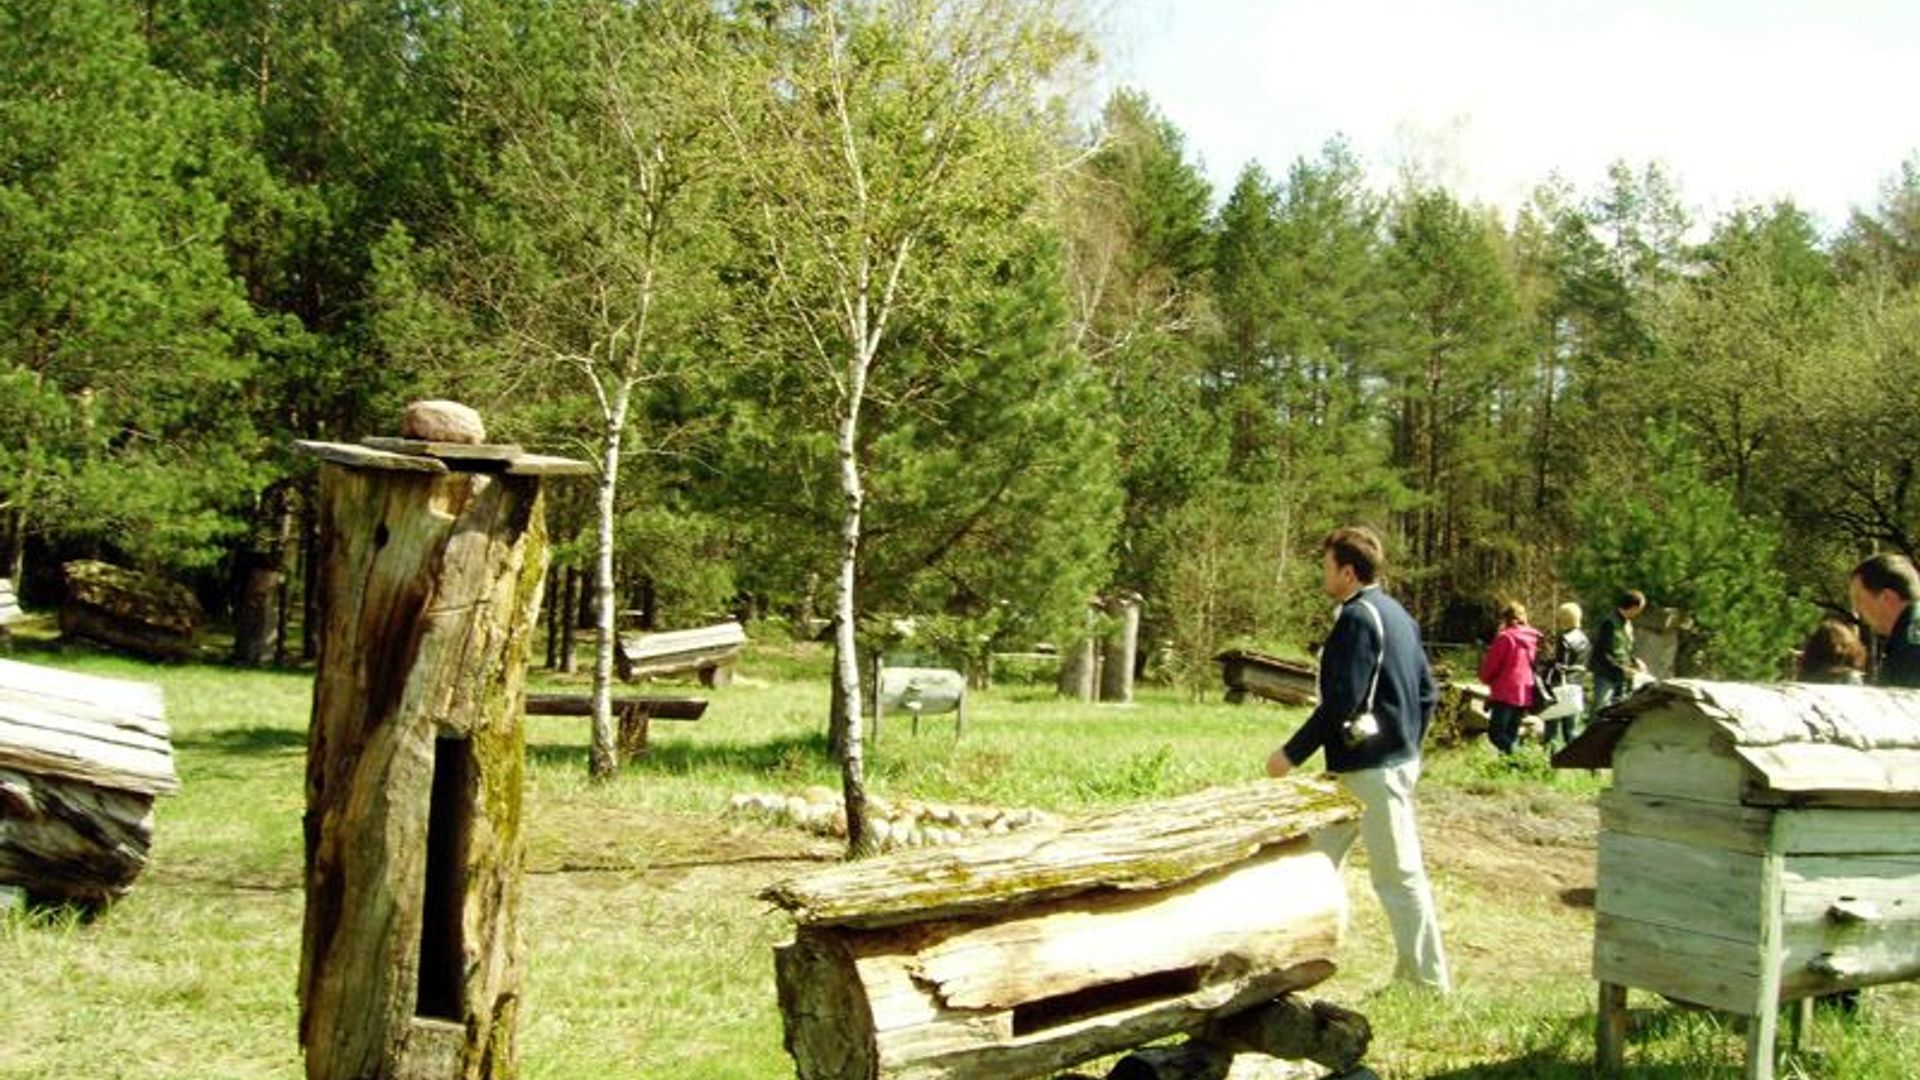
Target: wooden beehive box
[[1760, 844], [1021, 955], [82, 759]]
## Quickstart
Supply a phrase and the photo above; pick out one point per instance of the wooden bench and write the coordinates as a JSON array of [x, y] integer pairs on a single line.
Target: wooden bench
[[708, 650], [635, 713]]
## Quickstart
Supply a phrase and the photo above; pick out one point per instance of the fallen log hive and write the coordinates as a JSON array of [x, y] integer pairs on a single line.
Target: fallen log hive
[[1022, 955], [82, 759]]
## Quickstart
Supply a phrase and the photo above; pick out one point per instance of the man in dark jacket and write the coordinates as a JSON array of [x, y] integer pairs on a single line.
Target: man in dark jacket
[[1613, 663], [1372, 666], [1884, 588]]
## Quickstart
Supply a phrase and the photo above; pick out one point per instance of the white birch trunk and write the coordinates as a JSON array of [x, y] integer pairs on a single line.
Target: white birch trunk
[[847, 663], [603, 756]]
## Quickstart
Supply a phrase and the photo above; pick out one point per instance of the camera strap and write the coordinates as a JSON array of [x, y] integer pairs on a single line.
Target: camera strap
[[1380, 657]]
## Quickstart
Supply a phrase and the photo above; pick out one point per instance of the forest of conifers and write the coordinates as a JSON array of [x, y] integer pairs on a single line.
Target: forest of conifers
[[725, 229]]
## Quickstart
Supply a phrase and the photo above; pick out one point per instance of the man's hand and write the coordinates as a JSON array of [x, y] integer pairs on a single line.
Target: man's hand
[[1277, 764]]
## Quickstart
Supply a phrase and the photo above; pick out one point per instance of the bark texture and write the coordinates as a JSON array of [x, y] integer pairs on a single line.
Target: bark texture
[[411, 960]]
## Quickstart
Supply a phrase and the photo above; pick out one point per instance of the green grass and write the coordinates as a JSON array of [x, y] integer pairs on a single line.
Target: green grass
[[649, 956]]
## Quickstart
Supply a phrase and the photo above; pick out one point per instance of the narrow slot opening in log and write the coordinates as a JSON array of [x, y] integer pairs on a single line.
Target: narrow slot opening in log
[[1047, 1013], [449, 819]]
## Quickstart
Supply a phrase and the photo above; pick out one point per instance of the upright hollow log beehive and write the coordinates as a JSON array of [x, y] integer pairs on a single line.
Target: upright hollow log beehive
[[1759, 845], [1021, 955], [430, 569]]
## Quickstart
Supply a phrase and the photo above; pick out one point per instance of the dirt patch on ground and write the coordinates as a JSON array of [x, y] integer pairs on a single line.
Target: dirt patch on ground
[[1513, 843]]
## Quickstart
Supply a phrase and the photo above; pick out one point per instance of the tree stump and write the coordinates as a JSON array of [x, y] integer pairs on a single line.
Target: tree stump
[[430, 582]]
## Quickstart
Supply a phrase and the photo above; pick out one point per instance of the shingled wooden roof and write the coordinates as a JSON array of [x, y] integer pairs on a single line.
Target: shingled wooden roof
[[1799, 737]]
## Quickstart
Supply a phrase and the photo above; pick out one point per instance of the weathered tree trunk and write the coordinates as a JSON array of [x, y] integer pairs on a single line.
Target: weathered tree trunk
[[1080, 663], [310, 578], [411, 959], [1120, 650], [1017, 956], [262, 574]]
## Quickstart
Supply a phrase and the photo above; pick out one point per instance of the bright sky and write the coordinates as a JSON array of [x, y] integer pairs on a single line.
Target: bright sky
[[1740, 101]]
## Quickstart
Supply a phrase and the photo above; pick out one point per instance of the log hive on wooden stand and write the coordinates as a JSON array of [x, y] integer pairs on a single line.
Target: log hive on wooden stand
[[430, 565], [128, 610], [708, 650], [82, 759], [1759, 845], [1021, 955], [1248, 671]]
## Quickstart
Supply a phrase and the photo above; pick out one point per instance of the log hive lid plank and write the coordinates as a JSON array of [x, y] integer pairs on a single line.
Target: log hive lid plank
[[1798, 737], [1303, 668], [110, 733], [1146, 847], [420, 455]]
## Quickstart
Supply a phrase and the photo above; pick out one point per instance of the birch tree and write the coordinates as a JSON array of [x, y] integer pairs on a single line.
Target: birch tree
[[581, 261], [882, 142]]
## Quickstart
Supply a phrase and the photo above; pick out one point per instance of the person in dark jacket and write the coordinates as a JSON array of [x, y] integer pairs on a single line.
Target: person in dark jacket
[[1376, 700], [1613, 662], [1884, 588]]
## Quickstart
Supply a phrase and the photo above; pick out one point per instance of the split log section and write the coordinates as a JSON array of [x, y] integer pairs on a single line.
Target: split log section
[[1023, 955], [429, 577], [82, 759]]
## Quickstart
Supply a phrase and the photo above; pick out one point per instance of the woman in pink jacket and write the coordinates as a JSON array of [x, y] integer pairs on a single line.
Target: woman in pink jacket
[[1507, 669]]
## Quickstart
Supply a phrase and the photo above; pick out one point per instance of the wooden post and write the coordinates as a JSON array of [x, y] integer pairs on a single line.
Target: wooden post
[[1610, 1033], [1080, 663], [1119, 650], [430, 579], [1764, 1029]]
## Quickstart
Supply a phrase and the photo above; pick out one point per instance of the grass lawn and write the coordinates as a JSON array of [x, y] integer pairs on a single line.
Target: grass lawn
[[650, 957]]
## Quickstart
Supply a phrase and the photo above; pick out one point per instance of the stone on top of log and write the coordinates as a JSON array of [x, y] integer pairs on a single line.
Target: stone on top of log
[[437, 437], [442, 421]]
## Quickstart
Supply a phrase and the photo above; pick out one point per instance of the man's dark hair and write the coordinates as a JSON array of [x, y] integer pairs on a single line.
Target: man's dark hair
[[1889, 570], [1631, 599], [1358, 547]]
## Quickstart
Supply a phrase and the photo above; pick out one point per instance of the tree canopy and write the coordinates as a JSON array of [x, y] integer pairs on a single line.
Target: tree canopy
[[864, 313]]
